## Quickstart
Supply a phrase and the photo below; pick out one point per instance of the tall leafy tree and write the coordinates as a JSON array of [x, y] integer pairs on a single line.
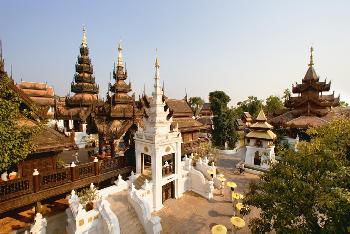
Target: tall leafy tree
[[309, 190], [286, 94], [196, 104], [15, 140], [224, 129], [252, 105], [273, 104]]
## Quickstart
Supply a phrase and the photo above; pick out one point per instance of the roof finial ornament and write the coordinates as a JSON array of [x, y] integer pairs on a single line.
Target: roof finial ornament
[[311, 57], [157, 66], [120, 57], [157, 76], [84, 40], [157, 62]]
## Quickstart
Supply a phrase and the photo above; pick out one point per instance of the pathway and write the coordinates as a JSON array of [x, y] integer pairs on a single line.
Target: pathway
[[127, 217], [195, 214]]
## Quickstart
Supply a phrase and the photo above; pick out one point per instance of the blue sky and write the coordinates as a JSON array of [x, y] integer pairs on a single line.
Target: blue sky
[[241, 47]]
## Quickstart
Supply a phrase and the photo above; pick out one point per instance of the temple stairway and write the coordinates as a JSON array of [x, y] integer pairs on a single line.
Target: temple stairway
[[141, 180], [127, 217]]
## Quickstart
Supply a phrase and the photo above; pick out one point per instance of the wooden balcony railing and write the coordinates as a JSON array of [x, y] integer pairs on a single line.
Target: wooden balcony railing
[[16, 187], [55, 178], [59, 180]]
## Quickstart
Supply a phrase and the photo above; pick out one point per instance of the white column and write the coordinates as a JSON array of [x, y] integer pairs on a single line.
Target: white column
[[138, 161], [178, 170], [84, 128], [157, 179], [70, 124]]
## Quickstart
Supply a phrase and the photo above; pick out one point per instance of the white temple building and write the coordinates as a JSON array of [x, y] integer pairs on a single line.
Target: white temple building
[[259, 144], [158, 149]]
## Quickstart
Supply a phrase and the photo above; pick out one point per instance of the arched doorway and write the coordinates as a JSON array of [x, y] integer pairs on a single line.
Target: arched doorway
[[257, 158]]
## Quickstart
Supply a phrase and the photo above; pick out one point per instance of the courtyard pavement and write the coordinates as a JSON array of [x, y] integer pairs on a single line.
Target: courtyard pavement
[[195, 214]]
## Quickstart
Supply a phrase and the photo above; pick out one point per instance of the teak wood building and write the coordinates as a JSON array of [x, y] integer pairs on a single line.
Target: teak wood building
[[310, 106], [75, 110]]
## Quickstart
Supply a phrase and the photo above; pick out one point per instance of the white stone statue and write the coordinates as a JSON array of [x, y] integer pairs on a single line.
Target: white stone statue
[[4, 176], [39, 226]]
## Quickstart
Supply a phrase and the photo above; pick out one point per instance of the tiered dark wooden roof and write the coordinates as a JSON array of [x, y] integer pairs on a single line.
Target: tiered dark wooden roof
[[120, 111], [84, 85], [81, 104], [121, 103], [310, 101]]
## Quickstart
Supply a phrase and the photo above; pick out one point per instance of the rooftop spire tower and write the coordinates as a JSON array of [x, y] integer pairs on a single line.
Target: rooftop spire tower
[[84, 85], [311, 99], [120, 100]]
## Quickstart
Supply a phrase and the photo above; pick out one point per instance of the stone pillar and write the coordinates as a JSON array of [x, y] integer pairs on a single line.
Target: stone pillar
[[72, 171], [138, 161], [97, 166], [36, 181]]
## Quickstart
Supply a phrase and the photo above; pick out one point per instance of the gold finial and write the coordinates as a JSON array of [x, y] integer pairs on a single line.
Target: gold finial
[[120, 57], [311, 57], [120, 45], [84, 40]]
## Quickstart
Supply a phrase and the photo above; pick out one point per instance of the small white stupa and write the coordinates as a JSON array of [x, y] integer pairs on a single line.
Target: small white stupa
[[259, 143]]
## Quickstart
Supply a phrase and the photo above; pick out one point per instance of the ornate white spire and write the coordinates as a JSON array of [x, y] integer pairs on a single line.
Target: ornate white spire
[[84, 40], [157, 87], [120, 57]]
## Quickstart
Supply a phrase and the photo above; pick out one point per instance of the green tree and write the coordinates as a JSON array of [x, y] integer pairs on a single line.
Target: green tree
[[252, 105], [224, 129], [309, 190], [286, 94], [343, 104], [15, 140], [196, 104], [273, 104]]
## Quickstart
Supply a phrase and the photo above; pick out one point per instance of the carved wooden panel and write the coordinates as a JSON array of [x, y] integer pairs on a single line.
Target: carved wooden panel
[[15, 188], [55, 178]]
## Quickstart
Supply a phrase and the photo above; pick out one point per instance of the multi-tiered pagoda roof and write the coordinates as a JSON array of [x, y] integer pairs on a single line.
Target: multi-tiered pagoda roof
[[310, 99], [80, 105], [84, 85], [310, 103], [121, 103], [261, 129]]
